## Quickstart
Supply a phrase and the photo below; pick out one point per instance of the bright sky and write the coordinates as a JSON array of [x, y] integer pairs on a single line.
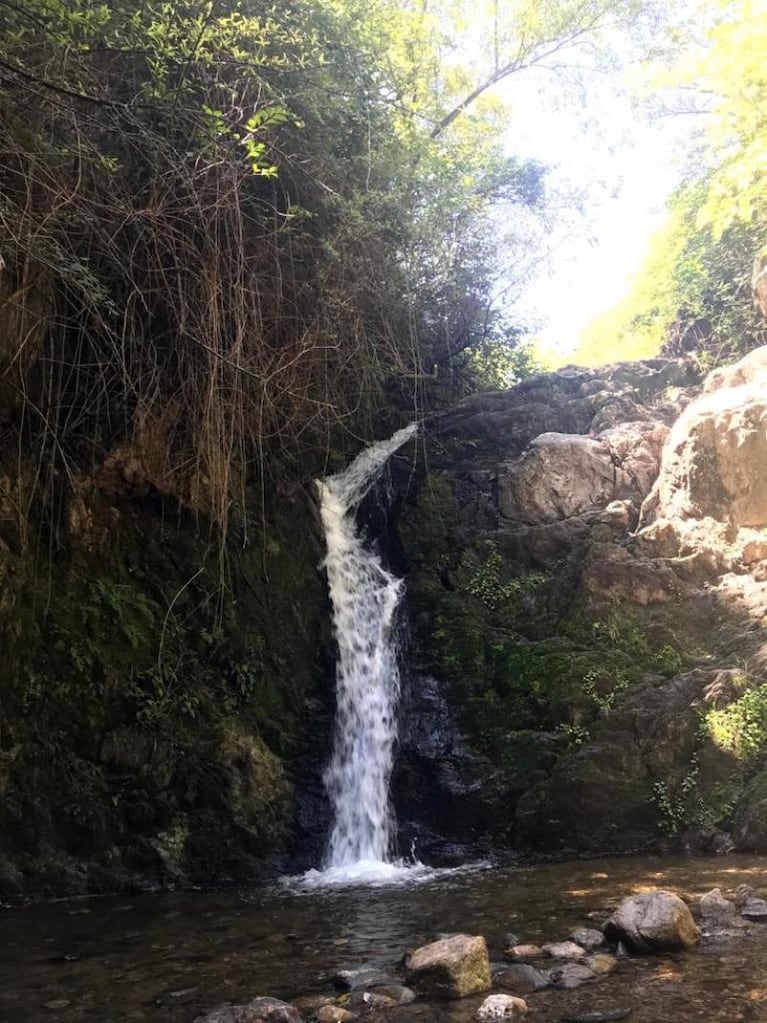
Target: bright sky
[[627, 167]]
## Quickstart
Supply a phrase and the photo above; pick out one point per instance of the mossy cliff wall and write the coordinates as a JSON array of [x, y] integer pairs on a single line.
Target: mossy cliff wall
[[568, 659], [162, 697]]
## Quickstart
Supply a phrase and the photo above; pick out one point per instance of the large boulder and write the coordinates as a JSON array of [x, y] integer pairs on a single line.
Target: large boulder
[[653, 922], [712, 464], [450, 968]]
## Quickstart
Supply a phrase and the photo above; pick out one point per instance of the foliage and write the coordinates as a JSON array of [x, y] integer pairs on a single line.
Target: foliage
[[741, 726], [692, 295]]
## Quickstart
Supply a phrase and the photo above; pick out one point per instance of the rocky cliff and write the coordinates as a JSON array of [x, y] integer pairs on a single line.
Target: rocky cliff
[[587, 571]]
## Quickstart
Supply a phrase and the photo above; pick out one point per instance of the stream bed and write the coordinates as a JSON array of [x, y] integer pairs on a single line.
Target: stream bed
[[167, 957]]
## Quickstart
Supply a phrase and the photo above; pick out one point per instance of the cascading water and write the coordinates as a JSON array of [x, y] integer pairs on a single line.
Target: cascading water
[[365, 597]]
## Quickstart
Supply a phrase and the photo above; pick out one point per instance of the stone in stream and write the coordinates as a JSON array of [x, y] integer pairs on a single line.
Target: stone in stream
[[524, 952], [398, 992], [348, 978], [755, 909], [717, 911], [259, 1010], [363, 999], [57, 1003], [335, 1014], [654, 922], [588, 938], [451, 968], [601, 963], [501, 1007], [571, 975], [564, 950], [520, 978]]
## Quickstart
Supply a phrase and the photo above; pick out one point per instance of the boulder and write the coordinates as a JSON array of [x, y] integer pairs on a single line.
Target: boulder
[[501, 1007], [654, 922], [450, 968], [520, 978], [260, 1010]]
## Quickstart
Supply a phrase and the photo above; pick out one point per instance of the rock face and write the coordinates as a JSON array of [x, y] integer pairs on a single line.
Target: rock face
[[654, 922], [586, 562], [450, 968]]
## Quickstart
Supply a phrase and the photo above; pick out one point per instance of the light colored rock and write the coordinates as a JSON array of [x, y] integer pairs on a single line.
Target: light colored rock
[[524, 951], [451, 968], [712, 463], [259, 1010], [501, 1007], [652, 922], [348, 978], [564, 950], [588, 938], [754, 550], [335, 1014], [398, 992]]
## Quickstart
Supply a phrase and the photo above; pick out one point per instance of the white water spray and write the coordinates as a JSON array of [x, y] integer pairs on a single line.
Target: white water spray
[[365, 597]]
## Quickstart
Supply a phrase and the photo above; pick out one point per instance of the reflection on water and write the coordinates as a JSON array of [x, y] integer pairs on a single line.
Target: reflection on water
[[166, 957]]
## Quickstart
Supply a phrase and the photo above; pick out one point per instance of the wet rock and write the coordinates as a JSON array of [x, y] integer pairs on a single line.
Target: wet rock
[[57, 1003], [335, 1014], [259, 1010], [564, 950], [524, 952], [400, 994], [716, 911], [755, 909], [451, 968], [521, 978], [601, 963], [510, 939], [348, 978], [653, 922], [501, 1007], [571, 975], [360, 999], [588, 938]]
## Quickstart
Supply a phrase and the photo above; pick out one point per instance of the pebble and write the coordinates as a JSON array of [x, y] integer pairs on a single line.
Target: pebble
[[588, 938], [571, 975], [601, 963], [57, 1003]]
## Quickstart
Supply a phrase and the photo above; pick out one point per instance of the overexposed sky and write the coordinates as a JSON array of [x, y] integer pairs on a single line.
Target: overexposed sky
[[626, 165]]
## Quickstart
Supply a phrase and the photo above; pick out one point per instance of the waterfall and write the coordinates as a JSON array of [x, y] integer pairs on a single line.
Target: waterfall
[[365, 597]]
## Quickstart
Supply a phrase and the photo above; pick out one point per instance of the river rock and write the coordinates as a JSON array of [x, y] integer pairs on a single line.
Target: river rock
[[652, 922], [755, 909], [501, 1007], [335, 1014], [564, 950], [524, 952], [601, 963], [451, 968], [588, 938], [348, 978], [521, 978], [717, 911], [400, 994], [362, 999], [260, 1010], [571, 975]]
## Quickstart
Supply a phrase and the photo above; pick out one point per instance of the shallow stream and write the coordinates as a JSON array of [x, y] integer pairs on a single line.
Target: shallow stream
[[167, 957]]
